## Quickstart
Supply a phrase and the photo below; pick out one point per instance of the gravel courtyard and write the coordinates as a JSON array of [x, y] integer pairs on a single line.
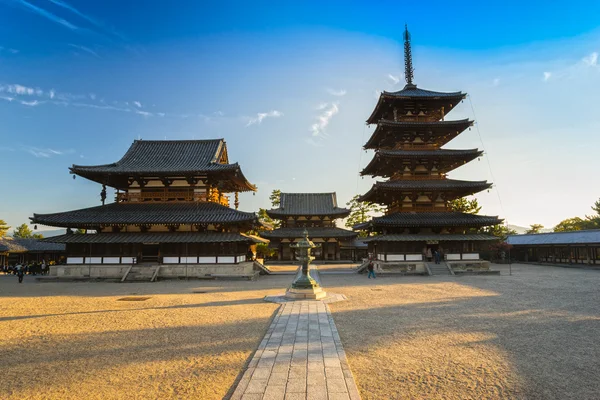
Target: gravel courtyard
[[77, 341], [533, 335]]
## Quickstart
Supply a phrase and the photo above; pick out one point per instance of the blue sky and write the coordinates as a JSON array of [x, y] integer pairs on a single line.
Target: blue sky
[[290, 86]]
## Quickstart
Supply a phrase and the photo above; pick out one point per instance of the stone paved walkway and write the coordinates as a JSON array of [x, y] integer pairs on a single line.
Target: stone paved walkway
[[300, 357]]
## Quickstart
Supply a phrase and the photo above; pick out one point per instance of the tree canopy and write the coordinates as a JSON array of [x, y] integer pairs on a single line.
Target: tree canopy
[[570, 224], [265, 219], [534, 228], [465, 206], [3, 228], [361, 211], [502, 232], [578, 224], [275, 198], [24, 232]]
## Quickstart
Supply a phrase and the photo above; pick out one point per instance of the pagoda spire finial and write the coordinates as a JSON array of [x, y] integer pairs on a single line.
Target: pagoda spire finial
[[408, 67]]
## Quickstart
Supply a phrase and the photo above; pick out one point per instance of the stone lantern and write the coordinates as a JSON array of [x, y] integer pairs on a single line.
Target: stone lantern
[[304, 286]]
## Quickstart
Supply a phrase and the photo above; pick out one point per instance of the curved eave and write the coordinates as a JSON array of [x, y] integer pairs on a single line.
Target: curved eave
[[426, 237], [384, 159], [438, 219], [277, 214], [119, 214], [458, 189], [452, 98], [298, 233], [118, 179], [439, 127]]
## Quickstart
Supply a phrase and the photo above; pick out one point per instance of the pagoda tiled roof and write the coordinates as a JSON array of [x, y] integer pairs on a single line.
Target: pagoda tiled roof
[[463, 188], [147, 213], [308, 204], [166, 158], [429, 219], [413, 93], [153, 237], [400, 237], [316, 232], [388, 130], [451, 157], [12, 245]]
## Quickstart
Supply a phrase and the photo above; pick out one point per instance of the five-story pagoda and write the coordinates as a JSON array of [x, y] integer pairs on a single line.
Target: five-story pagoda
[[411, 130], [170, 209]]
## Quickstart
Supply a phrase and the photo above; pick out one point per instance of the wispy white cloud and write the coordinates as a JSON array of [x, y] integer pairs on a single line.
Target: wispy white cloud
[[7, 98], [93, 21], [85, 49], [31, 103], [547, 76], [144, 113], [137, 104], [47, 14], [591, 60], [322, 105], [339, 93], [318, 129], [260, 116], [45, 152], [8, 50], [395, 79]]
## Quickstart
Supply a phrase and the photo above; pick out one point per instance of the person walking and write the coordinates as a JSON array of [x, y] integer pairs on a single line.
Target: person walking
[[429, 254], [371, 269], [436, 256], [20, 273]]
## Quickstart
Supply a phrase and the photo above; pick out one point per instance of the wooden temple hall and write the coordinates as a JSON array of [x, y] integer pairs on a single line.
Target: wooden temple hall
[[411, 130], [172, 207], [316, 213]]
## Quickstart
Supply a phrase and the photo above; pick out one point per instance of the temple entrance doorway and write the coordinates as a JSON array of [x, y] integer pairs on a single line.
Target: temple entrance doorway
[[150, 252]]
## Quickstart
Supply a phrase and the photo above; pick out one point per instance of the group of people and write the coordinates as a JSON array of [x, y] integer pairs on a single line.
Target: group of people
[[436, 255], [38, 268]]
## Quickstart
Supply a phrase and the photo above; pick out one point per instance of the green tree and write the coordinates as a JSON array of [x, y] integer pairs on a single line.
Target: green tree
[[534, 228], [593, 221], [570, 224], [3, 228], [502, 232], [264, 218], [80, 231], [263, 250], [361, 211], [275, 198], [24, 232], [465, 206]]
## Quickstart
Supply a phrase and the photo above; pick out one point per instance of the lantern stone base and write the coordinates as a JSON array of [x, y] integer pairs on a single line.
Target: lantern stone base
[[314, 293]]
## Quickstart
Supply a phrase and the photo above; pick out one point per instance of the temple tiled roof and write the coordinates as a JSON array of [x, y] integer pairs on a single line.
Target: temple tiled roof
[[388, 132], [167, 158], [556, 238], [429, 219], [318, 232], [152, 237], [308, 204], [28, 246], [146, 213], [447, 159], [412, 93], [427, 237], [458, 187]]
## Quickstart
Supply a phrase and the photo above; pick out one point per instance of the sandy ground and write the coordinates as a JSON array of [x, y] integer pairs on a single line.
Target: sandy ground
[[76, 341], [532, 335]]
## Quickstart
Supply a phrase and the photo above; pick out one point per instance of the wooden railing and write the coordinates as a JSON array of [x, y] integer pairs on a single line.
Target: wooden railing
[[417, 177], [161, 196], [417, 208]]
